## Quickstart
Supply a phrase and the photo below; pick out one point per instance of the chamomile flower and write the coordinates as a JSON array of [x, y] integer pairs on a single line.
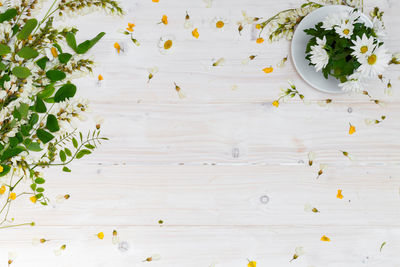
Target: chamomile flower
[[219, 23], [363, 47], [319, 56], [345, 30], [331, 21], [375, 63], [353, 84], [166, 44]]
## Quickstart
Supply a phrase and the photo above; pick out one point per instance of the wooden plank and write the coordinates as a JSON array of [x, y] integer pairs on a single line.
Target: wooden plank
[[218, 196], [204, 246]]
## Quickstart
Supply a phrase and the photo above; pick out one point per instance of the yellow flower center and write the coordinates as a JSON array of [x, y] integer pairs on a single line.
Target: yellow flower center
[[346, 31], [1, 169], [167, 44], [364, 49], [372, 59], [219, 24]]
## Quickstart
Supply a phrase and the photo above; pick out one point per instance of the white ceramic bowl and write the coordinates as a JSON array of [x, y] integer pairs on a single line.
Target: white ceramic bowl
[[299, 43]]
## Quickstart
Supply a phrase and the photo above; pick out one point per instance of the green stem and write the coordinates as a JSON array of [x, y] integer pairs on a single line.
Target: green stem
[[17, 225]]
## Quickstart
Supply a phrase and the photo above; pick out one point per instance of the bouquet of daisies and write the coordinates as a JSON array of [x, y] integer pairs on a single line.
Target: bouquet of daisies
[[344, 47], [38, 105]]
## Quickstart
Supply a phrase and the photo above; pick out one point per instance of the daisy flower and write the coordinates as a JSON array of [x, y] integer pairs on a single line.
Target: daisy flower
[[331, 21], [363, 47], [345, 30], [375, 63], [219, 23], [319, 56], [166, 44], [353, 83]]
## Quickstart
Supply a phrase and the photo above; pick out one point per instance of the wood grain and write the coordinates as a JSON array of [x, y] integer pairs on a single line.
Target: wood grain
[[225, 170]]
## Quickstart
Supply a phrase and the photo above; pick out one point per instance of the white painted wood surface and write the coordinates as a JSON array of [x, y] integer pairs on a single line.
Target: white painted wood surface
[[206, 163]]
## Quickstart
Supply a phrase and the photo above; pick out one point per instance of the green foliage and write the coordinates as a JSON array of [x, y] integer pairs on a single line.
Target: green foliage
[[65, 92], [4, 49], [27, 53], [341, 63], [27, 29], [21, 72]]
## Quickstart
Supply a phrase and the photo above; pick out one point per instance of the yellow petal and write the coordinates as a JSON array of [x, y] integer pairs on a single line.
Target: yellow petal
[[33, 199], [275, 103], [268, 69], [12, 196], [252, 264], [339, 194], [260, 40], [2, 189], [155, 1], [1, 168], [118, 47], [258, 26], [100, 77], [54, 52], [100, 235], [164, 19], [352, 129], [325, 238], [195, 33]]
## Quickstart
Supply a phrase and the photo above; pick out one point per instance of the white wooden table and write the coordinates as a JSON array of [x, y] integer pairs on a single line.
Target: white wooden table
[[225, 170]]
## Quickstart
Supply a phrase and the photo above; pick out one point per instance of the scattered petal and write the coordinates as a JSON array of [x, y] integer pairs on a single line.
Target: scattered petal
[[260, 40], [268, 69], [339, 194], [252, 264], [325, 238], [100, 235], [352, 129], [195, 33], [275, 103]]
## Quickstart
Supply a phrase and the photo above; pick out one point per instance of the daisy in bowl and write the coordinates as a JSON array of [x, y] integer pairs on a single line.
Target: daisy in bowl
[[376, 63], [319, 56], [363, 46]]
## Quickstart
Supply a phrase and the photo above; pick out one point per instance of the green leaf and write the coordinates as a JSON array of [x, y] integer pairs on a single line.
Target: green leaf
[[40, 189], [64, 57], [33, 119], [58, 47], [40, 107], [27, 53], [47, 92], [52, 123], [55, 75], [71, 41], [21, 72], [40, 180], [65, 169], [89, 146], [42, 62], [25, 129], [3, 66], [4, 49], [82, 153], [33, 186], [29, 26], [85, 46], [74, 142], [23, 110], [34, 146], [65, 92], [11, 152], [63, 157], [68, 152], [8, 15], [6, 169], [44, 136]]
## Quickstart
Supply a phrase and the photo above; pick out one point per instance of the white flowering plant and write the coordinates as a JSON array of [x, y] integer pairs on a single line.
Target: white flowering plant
[[344, 47], [38, 106]]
